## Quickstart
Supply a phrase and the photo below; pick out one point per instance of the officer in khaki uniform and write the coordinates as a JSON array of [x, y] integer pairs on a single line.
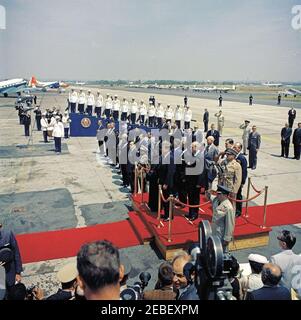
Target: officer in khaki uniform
[[223, 219], [245, 135], [220, 122]]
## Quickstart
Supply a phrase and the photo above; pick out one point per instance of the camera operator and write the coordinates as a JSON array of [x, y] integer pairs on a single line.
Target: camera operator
[[67, 275], [183, 277], [164, 286], [19, 292], [99, 271], [125, 262]]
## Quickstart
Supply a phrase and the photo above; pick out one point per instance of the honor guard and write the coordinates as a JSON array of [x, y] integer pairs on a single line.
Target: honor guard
[[168, 114], [99, 104], [66, 123], [187, 117], [178, 116], [253, 147], [151, 115], [44, 125], [81, 102], [108, 106], [223, 219], [142, 112], [124, 109], [159, 115], [245, 135], [220, 122], [73, 98], [116, 108], [90, 103], [134, 110]]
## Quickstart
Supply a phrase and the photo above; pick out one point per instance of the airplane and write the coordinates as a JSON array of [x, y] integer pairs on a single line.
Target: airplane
[[12, 86], [34, 83], [214, 89], [80, 83], [269, 84], [290, 92]]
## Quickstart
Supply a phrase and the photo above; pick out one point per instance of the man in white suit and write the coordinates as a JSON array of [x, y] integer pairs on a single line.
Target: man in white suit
[[288, 261]]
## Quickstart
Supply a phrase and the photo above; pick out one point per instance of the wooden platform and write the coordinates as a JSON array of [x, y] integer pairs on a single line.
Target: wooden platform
[[184, 233]]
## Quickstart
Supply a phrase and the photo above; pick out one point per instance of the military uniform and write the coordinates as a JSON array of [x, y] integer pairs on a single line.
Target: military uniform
[[230, 176], [245, 136], [223, 219], [220, 122]]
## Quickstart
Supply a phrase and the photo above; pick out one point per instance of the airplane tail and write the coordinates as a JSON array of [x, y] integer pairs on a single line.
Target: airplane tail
[[33, 82]]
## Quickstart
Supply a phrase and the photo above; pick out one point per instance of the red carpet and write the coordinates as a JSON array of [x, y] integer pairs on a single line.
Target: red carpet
[[66, 243]]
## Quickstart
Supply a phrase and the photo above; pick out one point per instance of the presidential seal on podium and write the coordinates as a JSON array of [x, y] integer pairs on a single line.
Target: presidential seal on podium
[[85, 122]]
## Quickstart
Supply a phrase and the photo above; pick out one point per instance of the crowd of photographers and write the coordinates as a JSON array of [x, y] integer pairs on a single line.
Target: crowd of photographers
[[101, 272]]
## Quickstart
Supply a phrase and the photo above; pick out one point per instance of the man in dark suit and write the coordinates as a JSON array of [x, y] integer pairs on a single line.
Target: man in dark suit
[[13, 267], [270, 276], [166, 171], [286, 133], [291, 117], [241, 159], [215, 134], [206, 120], [253, 147], [297, 142], [220, 100]]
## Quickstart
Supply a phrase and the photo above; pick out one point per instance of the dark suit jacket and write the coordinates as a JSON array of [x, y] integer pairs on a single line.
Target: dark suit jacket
[[270, 293], [166, 172], [286, 134], [292, 114], [206, 116], [8, 240], [215, 135], [244, 167], [189, 294], [297, 136]]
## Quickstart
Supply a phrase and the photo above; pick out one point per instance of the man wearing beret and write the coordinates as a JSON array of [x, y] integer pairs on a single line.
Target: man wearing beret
[[223, 219]]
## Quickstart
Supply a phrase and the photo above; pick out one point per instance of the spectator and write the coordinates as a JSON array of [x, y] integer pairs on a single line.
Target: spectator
[[10, 257], [253, 281], [164, 286], [183, 282], [99, 271], [287, 260], [270, 276], [67, 276]]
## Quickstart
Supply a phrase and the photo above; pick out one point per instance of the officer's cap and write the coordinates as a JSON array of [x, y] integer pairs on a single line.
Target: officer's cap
[[231, 152], [125, 261], [223, 189], [257, 258], [248, 121], [67, 273], [116, 96]]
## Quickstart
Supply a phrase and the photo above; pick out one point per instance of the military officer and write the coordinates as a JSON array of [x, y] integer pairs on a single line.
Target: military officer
[[168, 114], [81, 101], [108, 106], [178, 116], [223, 219], [134, 109], [187, 117], [116, 108], [220, 122], [90, 103], [245, 135], [124, 109], [253, 147], [142, 112], [99, 104], [73, 97], [151, 115], [159, 115]]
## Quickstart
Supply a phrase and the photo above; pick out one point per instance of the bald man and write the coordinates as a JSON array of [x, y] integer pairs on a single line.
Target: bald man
[[271, 275]]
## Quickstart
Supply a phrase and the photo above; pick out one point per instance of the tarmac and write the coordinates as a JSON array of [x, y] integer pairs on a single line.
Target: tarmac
[[41, 191]]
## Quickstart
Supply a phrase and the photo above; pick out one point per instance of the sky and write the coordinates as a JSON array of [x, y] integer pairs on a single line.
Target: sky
[[238, 40]]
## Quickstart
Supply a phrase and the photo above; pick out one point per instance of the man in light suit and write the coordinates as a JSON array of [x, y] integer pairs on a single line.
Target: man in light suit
[[288, 261], [253, 147]]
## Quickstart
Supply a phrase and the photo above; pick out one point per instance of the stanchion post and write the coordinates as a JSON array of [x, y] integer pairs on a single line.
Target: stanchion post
[[142, 186], [135, 181], [265, 207], [248, 195], [170, 217], [159, 205]]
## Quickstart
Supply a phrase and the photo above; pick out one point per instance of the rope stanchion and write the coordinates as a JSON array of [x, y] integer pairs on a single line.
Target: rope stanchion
[[248, 194], [253, 186], [170, 216], [135, 180], [142, 185], [191, 206], [160, 224], [265, 207]]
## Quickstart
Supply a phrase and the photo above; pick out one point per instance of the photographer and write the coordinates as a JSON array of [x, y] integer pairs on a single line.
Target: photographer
[[99, 271], [183, 278], [19, 292]]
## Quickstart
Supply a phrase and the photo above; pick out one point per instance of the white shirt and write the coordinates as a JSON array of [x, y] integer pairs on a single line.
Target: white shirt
[[73, 96], [160, 112], [134, 107], [58, 130], [99, 101], [169, 113], [187, 115], [178, 114], [109, 103], [116, 105], [90, 100], [151, 111], [143, 110], [44, 124], [52, 123], [66, 121], [82, 98], [125, 106]]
